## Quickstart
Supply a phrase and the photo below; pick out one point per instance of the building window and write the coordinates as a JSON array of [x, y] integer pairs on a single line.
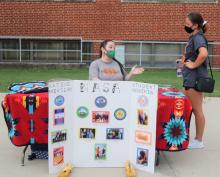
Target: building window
[[9, 50], [87, 51], [170, 1], [51, 50], [155, 54], [152, 54], [42, 50]]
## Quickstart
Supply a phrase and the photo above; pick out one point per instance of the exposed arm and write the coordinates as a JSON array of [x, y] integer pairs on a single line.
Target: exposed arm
[[94, 71], [134, 71], [183, 57], [203, 53]]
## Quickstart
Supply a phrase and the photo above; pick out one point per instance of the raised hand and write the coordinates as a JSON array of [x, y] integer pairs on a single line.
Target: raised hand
[[137, 70]]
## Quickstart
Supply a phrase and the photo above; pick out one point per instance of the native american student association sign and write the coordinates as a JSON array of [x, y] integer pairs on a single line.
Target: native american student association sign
[[102, 124]]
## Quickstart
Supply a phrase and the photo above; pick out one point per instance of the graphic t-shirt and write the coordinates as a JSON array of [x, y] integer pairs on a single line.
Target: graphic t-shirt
[[109, 71]]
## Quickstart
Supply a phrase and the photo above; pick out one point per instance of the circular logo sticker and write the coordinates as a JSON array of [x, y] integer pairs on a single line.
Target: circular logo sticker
[[101, 101], [82, 112], [59, 100], [142, 100], [120, 114]]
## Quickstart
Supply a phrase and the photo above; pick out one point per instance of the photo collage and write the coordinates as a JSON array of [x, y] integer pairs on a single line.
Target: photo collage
[[95, 129], [142, 136], [99, 118], [58, 136]]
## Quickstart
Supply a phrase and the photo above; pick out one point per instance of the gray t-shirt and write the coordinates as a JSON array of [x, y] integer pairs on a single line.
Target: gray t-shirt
[[105, 71], [190, 75]]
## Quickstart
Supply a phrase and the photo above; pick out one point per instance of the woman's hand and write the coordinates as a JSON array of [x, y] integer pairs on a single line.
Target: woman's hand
[[136, 70], [189, 64], [183, 59], [203, 54]]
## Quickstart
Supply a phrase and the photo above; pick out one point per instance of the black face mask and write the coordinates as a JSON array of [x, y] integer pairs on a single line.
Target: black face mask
[[188, 29]]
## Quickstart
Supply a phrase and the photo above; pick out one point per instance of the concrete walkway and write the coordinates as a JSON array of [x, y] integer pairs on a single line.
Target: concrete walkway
[[188, 163]]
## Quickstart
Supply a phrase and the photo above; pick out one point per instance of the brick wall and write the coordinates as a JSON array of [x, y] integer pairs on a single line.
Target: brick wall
[[216, 59], [105, 19]]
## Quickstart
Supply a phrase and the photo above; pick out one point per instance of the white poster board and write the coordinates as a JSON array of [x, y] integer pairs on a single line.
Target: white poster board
[[102, 124]]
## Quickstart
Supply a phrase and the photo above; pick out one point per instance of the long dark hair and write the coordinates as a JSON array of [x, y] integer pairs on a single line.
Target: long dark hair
[[196, 18], [103, 45]]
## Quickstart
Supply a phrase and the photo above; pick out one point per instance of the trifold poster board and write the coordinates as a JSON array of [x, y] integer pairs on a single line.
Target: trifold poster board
[[102, 124]]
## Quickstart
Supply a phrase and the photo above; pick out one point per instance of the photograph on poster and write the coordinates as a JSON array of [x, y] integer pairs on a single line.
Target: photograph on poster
[[58, 136], [87, 133], [100, 116], [142, 137], [114, 133], [100, 151], [58, 156], [142, 117], [59, 116], [142, 156]]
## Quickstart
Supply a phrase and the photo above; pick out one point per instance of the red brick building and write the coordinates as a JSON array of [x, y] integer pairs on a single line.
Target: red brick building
[[106, 19]]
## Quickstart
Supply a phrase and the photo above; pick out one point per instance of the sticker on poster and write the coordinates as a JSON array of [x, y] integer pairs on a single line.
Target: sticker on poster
[[87, 133], [59, 116], [101, 101], [59, 100], [58, 156], [143, 100], [120, 114], [142, 117], [114, 133], [100, 151], [82, 112], [143, 137], [100, 116], [142, 157], [59, 136]]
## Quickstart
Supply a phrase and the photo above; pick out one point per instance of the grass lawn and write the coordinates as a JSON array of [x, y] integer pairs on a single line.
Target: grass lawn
[[8, 76]]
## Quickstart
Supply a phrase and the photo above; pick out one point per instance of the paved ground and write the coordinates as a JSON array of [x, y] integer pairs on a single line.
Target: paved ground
[[188, 163]]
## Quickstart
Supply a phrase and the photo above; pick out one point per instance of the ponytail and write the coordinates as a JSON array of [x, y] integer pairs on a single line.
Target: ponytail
[[121, 67], [205, 27], [196, 18]]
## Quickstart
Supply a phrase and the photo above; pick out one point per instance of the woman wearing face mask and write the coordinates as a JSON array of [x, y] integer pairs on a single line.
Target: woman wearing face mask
[[108, 68], [194, 66]]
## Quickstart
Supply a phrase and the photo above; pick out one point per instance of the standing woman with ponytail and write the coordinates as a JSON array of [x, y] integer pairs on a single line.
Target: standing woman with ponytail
[[108, 68], [195, 66]]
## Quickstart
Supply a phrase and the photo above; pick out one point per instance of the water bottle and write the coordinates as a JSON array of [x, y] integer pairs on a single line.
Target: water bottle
[[179, 68]]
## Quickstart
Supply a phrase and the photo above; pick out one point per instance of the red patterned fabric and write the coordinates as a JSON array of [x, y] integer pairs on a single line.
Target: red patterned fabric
[[26, 116], [173, 120]]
